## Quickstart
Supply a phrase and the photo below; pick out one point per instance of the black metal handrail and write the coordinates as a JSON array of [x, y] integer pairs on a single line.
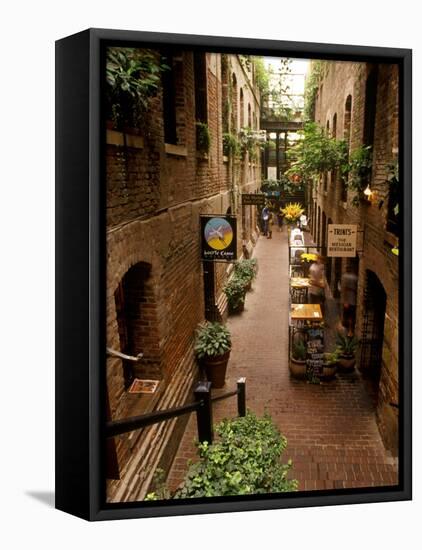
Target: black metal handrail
[[202, 407]]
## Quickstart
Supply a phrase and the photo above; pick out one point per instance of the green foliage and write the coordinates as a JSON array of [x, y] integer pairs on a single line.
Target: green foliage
[[235, 291], [331, 358], [133, 77], [249, 142], [203, 137], [393, 185], [246, 269], [346, 345], [261, 76], [231, 145], [244, 460], [311, 89], [276, 98], [299, 350], [357, 171], [315, 153], [283, 185], [160, 489], [212, 339]]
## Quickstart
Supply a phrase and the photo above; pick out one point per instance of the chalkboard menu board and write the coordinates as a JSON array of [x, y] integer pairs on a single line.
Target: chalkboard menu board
[[314, 354]]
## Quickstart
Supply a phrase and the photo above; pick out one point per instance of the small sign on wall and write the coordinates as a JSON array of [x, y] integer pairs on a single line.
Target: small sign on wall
[[254, 199], [219, 238], [341, 240]]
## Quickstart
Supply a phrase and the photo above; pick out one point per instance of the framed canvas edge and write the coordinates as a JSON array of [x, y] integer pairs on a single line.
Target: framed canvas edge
[[99, 511]]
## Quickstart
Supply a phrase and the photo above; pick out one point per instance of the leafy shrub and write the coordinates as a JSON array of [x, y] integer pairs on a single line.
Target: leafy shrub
[[212, 339], [246, 269], [231, 145], [203, 137], [235, 291], [133, 77], [244, 460], [346, 345]]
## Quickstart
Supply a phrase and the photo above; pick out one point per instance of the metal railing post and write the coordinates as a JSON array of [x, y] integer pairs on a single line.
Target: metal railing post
[[202, 393], [241, 396]]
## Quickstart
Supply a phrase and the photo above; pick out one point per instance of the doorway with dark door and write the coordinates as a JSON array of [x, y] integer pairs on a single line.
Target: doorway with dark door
[[372, 336]]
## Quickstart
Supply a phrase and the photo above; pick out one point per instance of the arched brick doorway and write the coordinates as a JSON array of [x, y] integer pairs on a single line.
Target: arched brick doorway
[[372, 334]]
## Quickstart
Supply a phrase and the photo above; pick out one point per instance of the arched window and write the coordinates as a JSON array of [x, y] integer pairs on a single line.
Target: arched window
[[234, 118], [334, 136], [347, 120], [249, 116], [225, 100], [334, 130]]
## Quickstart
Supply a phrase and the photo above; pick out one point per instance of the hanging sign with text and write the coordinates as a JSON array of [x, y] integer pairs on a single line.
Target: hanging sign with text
[[341, 240], [218, 238], [253, 199]]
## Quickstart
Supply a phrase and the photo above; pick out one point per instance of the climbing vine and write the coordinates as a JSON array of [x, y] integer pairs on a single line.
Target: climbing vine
[[311, 89]]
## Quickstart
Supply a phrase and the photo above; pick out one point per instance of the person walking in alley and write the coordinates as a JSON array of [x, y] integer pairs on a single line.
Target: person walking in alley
[[348, 289], [280, 220], [316, 291], [270, 225], [265, 216]]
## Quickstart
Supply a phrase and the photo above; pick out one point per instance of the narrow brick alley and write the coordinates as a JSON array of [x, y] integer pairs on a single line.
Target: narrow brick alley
[[331, 429]]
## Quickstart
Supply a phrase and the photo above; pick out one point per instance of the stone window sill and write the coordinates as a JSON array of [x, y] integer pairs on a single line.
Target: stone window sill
[[202, 156], [113, 137], [176, 150]]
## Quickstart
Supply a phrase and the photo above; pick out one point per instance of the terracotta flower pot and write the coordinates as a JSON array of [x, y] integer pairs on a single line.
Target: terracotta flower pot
[[346, 363], [238, 309], [329, 371], [297, 368], [215, 368]]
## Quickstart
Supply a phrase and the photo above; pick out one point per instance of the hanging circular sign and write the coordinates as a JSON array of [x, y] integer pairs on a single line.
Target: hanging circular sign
[[218, 233]]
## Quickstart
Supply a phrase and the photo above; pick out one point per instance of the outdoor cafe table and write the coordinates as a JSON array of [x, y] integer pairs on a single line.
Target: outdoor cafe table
[[305, 312], [299, 289]]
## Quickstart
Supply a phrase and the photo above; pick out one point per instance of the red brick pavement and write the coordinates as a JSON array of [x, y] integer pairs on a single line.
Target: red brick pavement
[[333, 439]]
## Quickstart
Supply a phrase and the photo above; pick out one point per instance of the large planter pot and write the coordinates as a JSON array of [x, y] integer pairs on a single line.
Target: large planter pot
[[297, 368], [215, 369], [346, 363], [329, 371], [237, 309]]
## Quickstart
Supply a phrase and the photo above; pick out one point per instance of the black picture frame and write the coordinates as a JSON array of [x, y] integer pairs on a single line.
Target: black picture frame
[[80, 280]]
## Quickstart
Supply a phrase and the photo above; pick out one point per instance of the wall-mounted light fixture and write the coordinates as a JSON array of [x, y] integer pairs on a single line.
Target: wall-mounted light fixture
[[368, 192]]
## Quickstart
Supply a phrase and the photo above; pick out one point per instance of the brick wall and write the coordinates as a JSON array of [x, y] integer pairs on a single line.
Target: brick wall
[[155, 195], [341, 80]]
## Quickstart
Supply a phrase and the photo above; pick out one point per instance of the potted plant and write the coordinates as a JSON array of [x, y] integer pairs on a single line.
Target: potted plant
[[246, 270], [212, 348], [307, 259], [346, 348], [297, 363], [329, 367], [235, 291]]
